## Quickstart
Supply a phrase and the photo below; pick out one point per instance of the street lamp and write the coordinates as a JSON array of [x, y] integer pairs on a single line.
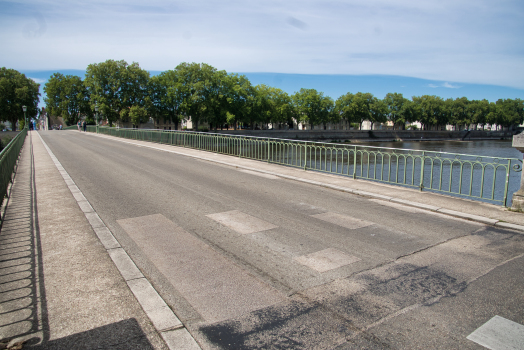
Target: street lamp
[[24, 108], [96, 111]]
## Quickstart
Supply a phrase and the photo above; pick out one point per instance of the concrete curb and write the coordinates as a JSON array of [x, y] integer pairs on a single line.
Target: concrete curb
[[453, 213], [162, 317]]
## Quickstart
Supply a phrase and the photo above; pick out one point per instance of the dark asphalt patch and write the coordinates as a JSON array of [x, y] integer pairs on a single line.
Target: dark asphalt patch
[[296, 325], [335, 322]]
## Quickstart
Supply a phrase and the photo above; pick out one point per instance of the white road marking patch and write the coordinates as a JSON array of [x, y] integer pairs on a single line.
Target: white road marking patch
[[267, 176], [498, 334], [399, 206], [241, 222], [342, 220], [327, 259]]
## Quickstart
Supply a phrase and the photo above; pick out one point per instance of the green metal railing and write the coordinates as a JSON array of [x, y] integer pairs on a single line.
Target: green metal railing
[[8, 158], [476, 177]]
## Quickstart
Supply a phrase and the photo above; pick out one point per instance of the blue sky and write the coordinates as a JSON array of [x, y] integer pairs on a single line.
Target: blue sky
[[449, 48]]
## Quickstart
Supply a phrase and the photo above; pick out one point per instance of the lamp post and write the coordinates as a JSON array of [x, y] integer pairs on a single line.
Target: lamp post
[[96, 112], [24, 108]]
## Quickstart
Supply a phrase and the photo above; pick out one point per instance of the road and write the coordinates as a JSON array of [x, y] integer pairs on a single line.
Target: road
[[252, 261]]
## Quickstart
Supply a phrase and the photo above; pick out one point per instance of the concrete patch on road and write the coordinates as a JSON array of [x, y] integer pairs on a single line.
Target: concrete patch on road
[[499, 333], [256, 173], [327, 259], [342, 220], [399, 206], [241, 222]]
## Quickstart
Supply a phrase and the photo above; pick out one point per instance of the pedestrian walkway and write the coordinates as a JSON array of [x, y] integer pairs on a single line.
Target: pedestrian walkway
[[59, 288]]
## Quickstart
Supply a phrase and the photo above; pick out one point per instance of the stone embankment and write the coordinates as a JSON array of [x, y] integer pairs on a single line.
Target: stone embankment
[[373, 135]]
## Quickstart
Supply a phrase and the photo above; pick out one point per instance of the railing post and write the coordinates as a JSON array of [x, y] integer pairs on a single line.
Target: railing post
[[354, 163], [267, 150], [305, 155], [422, 163], [508, 169]]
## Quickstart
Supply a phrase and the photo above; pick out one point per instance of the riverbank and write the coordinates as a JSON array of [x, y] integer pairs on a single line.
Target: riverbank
[[373, 135]]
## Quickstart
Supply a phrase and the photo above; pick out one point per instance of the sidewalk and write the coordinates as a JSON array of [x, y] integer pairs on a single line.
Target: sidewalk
[[388, 194], [59, 288]]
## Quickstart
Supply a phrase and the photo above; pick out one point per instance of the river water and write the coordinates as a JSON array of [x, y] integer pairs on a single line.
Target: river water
[[491, 148]]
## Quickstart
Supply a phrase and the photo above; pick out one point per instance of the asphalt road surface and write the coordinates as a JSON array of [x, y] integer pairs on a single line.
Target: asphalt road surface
[[252, 261]]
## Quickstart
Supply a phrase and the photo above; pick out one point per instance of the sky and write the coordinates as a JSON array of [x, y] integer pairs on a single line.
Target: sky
[[448, 48]]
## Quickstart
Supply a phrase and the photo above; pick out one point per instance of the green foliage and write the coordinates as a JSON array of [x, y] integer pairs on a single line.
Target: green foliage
[[313, 107], [115, 86], [16, 91], [67, 97], [396, 112], [204, 94]]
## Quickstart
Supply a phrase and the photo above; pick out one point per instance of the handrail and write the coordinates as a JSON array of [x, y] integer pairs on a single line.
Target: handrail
[[8, 158]]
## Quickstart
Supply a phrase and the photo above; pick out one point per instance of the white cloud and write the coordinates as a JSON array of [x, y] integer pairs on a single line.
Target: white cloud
[[468, 41], [450, 86], [37, 80]]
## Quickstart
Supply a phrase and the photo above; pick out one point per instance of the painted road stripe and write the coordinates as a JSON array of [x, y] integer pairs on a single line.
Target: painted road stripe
[[241, 222], [327, 259], [342, 220], [499, 334]]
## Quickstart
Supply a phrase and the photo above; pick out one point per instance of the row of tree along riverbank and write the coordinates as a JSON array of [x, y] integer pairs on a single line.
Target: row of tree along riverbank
[[373, 135]]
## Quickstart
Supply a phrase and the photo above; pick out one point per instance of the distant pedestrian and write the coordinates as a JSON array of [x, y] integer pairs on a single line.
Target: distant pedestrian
[[79, 124], [84, 125]]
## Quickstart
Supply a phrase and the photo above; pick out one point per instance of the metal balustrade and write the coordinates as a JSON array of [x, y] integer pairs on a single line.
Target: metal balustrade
[[8, 158], [470, 176]]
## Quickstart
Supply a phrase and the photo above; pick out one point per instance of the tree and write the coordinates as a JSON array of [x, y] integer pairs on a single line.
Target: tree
[[116, 86], [394, 103], [479, 110], [239, 95], [16, 91], [66, 96], [378, 111], [202, 94], [360, 108], [283, 109], [313, 107], [411, 111], [432, 111], [508, 112], [165, 97], [460, 111], [342, 107]]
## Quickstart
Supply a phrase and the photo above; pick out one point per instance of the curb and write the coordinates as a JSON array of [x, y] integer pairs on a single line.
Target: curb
[[453, 213], [172, 330]]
